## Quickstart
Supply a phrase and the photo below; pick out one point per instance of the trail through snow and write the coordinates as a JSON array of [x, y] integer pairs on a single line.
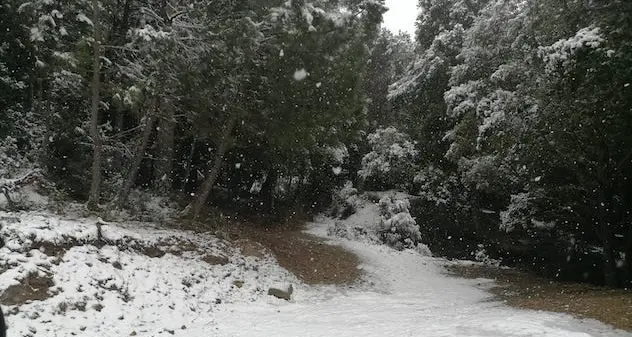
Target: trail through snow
[[406, 295], [117, 291]]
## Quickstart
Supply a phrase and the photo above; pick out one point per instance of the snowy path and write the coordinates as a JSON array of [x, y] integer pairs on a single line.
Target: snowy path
[[113, 292], [418, 300]]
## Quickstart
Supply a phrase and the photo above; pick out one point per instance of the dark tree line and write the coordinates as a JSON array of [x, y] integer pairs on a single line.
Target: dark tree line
[[182, 98]]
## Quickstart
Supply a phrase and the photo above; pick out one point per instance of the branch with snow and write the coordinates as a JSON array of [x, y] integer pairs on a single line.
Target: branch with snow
[[12, 185], [560, 53]]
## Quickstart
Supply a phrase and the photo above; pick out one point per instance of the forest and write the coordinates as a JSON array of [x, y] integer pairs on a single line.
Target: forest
[[508, 122]]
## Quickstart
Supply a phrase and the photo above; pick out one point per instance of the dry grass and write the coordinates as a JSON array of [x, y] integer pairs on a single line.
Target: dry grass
[[518, 289]]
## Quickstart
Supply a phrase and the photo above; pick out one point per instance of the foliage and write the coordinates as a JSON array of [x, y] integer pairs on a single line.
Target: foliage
[[397, 227], [523, 107], [390, 162]]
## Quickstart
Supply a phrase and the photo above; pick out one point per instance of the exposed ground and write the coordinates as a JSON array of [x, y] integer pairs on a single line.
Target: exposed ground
[[308, 257], [522, 290]]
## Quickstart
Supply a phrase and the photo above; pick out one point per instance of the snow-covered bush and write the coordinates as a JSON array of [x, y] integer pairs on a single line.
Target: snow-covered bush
[[397, 227], [391, 160], [345, 201], [351, 232], [522, 211], [481, 255]]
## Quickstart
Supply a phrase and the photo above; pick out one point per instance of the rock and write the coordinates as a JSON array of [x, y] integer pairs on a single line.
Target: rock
[[282, 294], [215, 260]]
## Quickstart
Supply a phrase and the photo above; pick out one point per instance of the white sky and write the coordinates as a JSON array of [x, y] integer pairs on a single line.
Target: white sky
[[401, 16]]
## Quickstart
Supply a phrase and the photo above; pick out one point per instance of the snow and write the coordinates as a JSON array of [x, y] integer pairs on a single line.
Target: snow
[[390, 149], [137, 293], [114, 291], [338, 153], [300, 74], [560, 52], [36, 34], [83, 18]]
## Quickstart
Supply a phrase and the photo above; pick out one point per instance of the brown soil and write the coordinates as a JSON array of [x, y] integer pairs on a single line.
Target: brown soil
[[306, 256], [32, 288], [518, 289], [214, 260]]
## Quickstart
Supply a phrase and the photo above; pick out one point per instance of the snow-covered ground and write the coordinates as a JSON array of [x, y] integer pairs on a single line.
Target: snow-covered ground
[[120, 291]]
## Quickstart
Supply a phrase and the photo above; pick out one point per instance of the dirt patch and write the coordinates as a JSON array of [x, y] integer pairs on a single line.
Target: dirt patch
[[252, 248], [518, 289], [306, 256], [313, 261], [54, 249], [151, 251], [215, 260], [33, 288]]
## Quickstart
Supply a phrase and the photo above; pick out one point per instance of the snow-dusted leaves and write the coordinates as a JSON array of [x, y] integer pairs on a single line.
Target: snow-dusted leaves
[[390, 150], [397, 227], [560, 54]]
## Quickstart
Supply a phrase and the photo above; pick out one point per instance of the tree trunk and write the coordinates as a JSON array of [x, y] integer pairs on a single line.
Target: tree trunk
[[628, 260], [211, 177], [609, 263], [163, 166], [119, 121], [138, 159], [607, 237], [187, 165], [267, 190], [97, 142]]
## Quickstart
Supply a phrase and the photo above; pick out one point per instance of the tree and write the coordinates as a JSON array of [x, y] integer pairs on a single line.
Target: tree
[[390, 56], [310, 58], [97, 142]]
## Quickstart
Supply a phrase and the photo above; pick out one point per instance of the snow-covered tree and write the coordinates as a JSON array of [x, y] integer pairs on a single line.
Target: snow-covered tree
[[391, 160]]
